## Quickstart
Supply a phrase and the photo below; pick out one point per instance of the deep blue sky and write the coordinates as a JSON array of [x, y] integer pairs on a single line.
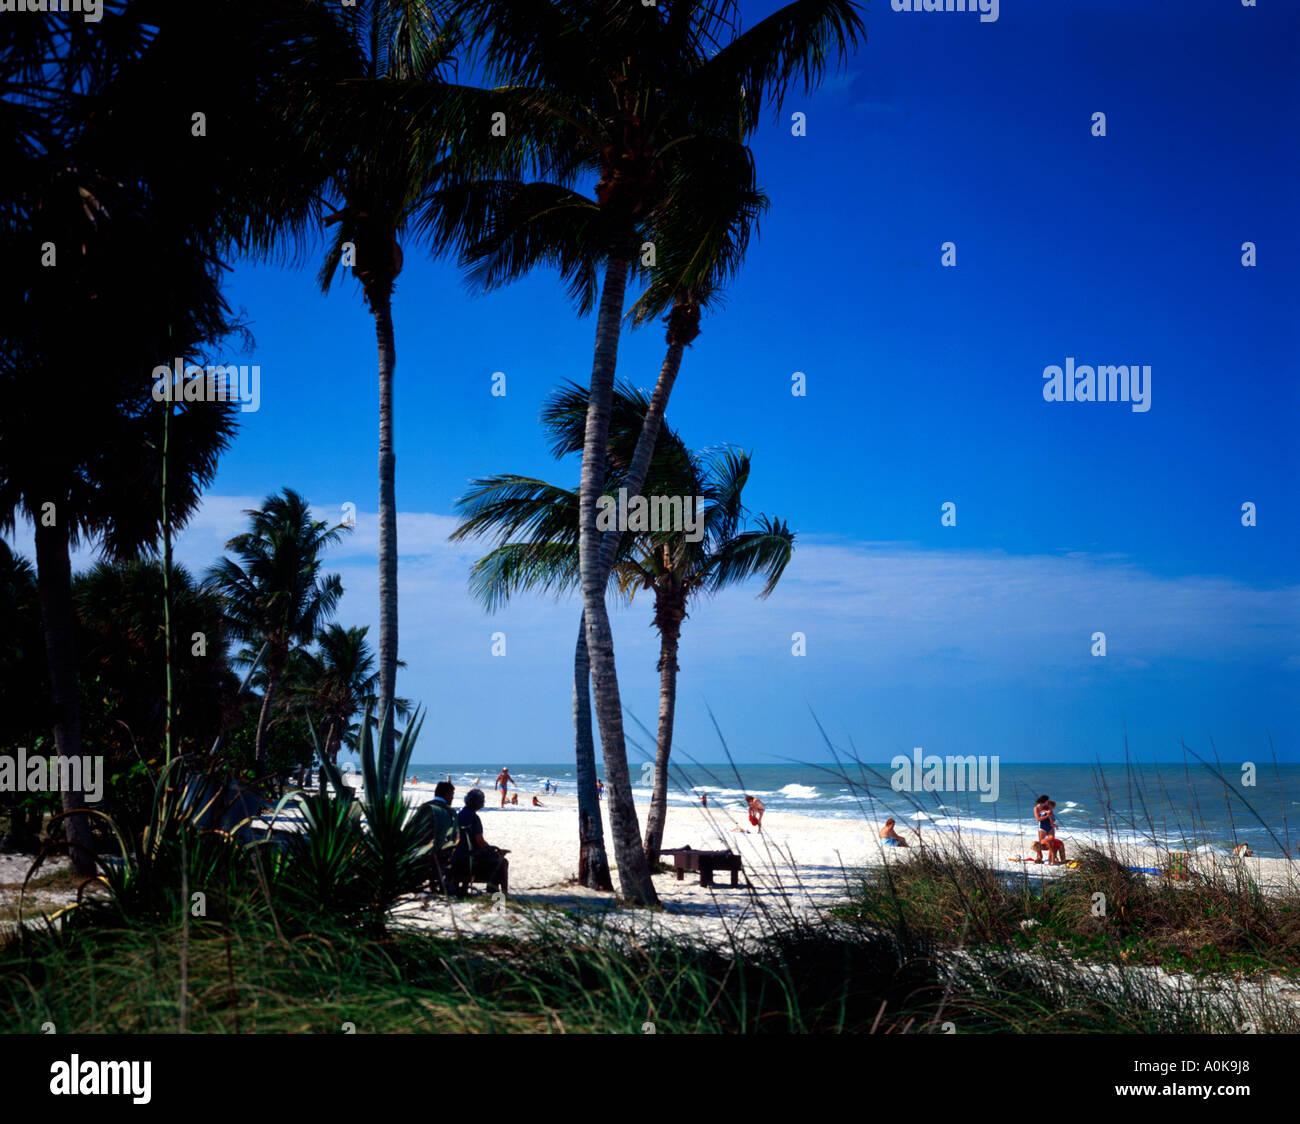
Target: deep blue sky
[[924, 386]]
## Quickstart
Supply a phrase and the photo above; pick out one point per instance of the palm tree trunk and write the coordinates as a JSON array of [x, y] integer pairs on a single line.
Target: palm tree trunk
[[633, 873], [264, 719], [670, 631], [645, 443], [54, 586], [593, 863], [382, 306], [330, 752]]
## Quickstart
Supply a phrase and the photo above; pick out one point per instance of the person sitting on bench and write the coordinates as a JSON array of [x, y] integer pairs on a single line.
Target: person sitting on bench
[[441, 833], [474, 860]]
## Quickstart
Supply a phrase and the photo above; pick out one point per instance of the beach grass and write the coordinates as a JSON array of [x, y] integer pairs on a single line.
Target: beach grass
[[1102, 910], [559, 975]]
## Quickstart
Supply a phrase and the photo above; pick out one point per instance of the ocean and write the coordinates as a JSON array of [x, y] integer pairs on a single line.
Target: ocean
[[1175, 806]]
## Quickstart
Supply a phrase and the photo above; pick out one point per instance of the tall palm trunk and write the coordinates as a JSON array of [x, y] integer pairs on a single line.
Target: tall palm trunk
[[669, 612], [275, 668], [382, 306], [683, 328], [633, 873], [592, 846], [54, 586], [331, 751], [593, 863]]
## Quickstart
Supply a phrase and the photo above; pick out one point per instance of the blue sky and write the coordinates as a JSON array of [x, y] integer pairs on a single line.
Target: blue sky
[[924, 386]]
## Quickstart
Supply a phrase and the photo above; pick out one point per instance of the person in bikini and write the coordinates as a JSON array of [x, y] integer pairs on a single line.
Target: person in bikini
[[756, 810]]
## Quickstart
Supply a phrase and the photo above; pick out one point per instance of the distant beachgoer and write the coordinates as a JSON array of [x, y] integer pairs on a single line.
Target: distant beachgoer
[[704, 799], [514, 798], [1242, 850], [537, 803], [1045, 817], [415, 780], [756, 810], [504, 780], [600, 789], [889, 836]]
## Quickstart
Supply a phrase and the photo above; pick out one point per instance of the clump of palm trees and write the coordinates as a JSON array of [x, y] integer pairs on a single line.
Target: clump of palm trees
[[709, 549], [608, 139]]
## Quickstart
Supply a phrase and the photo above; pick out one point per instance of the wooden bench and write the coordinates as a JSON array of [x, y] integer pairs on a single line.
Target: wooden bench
[[706, 862]]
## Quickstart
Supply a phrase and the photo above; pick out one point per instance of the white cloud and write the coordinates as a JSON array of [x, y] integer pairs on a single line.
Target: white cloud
[[893, 610]]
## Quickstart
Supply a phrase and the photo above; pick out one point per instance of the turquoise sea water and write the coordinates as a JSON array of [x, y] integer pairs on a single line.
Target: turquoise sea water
[[1166, 805]]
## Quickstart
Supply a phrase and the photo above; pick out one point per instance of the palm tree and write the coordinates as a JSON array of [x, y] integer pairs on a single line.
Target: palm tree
[[644, 98], [509, 507], [676, 565], [377, 180], [678, 569], [24, 706], [122, 648], [114, 251], [334, 683], [275, 594]]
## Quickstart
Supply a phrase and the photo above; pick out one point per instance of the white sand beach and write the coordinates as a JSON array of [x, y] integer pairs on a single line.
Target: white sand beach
[[797, 866]]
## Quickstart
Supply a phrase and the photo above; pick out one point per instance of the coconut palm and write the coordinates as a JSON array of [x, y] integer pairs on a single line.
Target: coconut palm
[[677, 566], [642, 99], [275, 594], [504, 229], [375, 180], [334, 683], [507, 507]]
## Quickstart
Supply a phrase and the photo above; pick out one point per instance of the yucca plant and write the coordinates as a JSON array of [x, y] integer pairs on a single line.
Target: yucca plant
[[356, 858], [398, 851], [176, 854]]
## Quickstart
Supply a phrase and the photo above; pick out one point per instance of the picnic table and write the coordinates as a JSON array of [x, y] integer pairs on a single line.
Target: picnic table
[[706, 862]]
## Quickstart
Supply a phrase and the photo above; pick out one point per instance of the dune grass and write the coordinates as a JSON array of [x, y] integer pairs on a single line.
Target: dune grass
[[1100, 910], [245, 974]]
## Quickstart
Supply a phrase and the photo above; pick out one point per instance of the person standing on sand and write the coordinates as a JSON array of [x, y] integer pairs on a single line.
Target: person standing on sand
[[756, 810], [600, 789], [704, 800], [1045, 817], [504, 779]]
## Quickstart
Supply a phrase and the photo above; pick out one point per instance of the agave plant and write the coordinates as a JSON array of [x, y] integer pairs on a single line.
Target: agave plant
[[189, 844], [357, 858]]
